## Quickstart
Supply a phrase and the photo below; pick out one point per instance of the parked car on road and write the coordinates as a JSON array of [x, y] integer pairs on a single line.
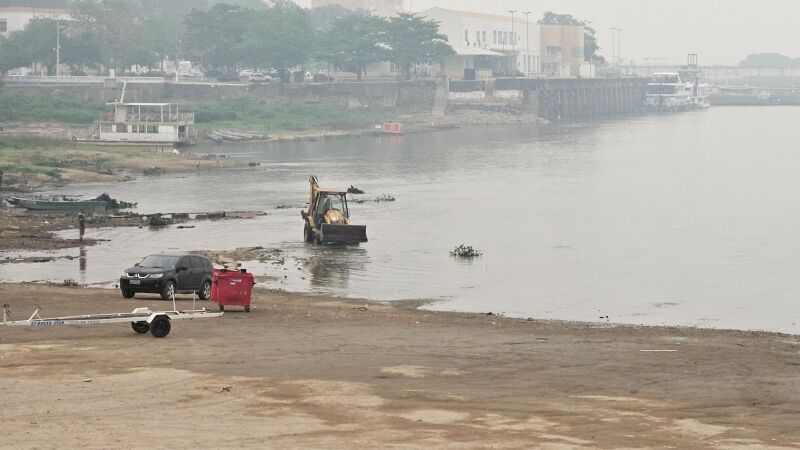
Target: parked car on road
[[168, 275], [259, 77]]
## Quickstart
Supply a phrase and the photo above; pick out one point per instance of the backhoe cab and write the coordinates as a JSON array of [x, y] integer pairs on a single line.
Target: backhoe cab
[[328, 218]]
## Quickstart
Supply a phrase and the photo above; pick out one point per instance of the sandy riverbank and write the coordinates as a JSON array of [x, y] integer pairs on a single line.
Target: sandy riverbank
[[317, 372]]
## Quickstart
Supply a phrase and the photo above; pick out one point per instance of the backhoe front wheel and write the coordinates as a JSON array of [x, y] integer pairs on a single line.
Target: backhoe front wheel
[[308, 233]]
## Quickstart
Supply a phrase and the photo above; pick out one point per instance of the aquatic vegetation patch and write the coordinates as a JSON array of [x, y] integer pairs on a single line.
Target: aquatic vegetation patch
[[465, 251]]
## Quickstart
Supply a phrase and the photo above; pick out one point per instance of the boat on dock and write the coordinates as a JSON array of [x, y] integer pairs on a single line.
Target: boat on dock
[[235, 135], [678, 91]]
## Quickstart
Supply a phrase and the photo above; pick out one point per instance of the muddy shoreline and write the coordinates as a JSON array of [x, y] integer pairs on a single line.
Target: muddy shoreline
[[320, 372]]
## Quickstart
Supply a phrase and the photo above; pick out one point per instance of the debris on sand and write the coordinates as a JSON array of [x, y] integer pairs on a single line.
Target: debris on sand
[[153, 171], [354, 190], [465, 251], [385, 198]]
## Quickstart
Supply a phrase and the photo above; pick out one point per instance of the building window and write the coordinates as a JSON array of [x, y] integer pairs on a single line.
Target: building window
[[478, 36], [152, 129], [3, 25], [121, 128], [142, 129], [554, 51], [484, 37], [494, 37], [106, 128], [466, 36]]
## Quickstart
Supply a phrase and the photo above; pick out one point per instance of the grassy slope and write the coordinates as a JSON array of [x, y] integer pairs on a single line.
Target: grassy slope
[[234, 113]]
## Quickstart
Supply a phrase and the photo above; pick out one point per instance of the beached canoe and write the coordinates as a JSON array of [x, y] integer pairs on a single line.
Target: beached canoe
[[57, 205]]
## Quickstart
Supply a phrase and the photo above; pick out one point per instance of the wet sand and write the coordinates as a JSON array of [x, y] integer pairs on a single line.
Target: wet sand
[[318, 372]]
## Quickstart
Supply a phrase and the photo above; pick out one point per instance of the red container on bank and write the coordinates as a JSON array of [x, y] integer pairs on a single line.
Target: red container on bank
[[232, 288]]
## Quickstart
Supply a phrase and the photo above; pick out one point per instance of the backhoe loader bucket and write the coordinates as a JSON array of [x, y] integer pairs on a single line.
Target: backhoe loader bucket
[[343, 234]]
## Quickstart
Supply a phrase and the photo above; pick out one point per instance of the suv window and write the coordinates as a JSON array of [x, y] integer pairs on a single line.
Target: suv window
[[195, 262]]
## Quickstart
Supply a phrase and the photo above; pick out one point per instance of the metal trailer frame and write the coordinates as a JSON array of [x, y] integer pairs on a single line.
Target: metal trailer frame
[[142, 320]]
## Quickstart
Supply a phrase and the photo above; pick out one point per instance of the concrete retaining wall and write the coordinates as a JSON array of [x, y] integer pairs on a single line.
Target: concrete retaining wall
[[555, 99], [412, 96]]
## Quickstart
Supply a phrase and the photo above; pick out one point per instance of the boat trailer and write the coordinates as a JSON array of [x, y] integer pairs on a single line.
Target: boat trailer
[[142, 320]]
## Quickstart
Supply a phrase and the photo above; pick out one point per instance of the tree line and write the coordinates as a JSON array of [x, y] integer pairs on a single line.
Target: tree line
[[119, 34]]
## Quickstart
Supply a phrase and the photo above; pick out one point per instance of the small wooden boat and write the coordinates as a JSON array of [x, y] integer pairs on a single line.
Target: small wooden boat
[[57, 205], [214, 136], [249, 135], [228, 136]]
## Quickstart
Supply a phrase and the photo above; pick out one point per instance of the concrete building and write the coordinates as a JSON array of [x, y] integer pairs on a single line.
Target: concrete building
[[16, 18], [488, 44], [562, 51]]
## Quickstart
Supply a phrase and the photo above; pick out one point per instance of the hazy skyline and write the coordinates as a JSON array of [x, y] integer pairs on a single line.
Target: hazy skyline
[[721, 32]]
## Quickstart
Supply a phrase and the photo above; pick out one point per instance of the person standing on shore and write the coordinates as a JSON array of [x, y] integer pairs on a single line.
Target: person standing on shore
[[81, 224]]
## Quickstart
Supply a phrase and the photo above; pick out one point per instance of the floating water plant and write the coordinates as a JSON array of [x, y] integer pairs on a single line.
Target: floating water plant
[[385, 198], [465, 251]]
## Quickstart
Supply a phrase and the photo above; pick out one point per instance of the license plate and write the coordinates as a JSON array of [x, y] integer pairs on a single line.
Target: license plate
[[136, 281]]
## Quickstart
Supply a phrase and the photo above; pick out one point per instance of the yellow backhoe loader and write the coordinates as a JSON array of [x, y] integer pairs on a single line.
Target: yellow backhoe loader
[[328, 217]]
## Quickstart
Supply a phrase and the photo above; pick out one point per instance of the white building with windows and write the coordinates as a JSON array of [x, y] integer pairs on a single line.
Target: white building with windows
[[16, 18], [488, 43]]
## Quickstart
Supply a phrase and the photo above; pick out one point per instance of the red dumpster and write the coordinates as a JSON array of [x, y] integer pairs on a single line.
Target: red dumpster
[[232, 287]]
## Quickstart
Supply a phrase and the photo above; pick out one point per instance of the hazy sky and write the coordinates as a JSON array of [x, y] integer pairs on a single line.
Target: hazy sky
[[720, 31]]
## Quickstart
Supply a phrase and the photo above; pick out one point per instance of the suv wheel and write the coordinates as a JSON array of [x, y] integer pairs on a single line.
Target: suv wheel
[[168, 291], [205, 290], [127, 293]]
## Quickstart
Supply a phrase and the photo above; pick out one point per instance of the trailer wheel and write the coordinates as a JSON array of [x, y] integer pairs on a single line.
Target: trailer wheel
[[160, 327], [246, 309], [221, 307], [140, 327]]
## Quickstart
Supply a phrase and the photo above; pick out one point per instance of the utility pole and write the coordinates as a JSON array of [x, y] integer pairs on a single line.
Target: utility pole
[[513, 44], [613, 48], [58, 49], [528, 62], [619, 46]]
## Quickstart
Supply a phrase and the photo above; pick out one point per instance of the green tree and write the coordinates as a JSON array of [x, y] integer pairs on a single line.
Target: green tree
[[775, 60], [10, 54], [353, 42], [36, 44], [323, 17], [215, 37], [281, 37], [412, 39]]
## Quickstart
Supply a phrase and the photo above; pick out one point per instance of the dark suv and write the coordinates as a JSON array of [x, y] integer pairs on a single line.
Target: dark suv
[[168, 275]]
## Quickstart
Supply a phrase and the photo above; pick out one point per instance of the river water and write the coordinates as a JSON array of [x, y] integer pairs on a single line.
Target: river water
[[689, 219]]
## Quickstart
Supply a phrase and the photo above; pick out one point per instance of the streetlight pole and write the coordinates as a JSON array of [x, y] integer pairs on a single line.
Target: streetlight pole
[[513, 44], [613, 47], [58, 49], [528, 62]]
